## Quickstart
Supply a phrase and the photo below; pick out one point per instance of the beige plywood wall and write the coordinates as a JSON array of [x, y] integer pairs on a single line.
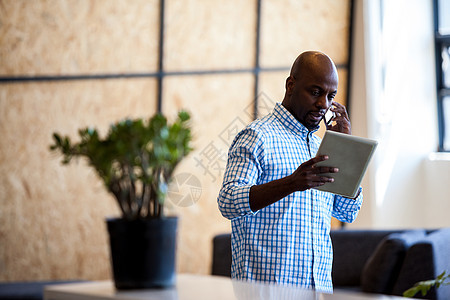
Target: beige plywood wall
[[52, 216], [292, 26], [78, 36]]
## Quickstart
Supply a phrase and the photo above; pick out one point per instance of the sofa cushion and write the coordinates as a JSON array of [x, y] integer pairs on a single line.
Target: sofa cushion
[[383, 266], [425, 260], [221, 260], [352, 248]]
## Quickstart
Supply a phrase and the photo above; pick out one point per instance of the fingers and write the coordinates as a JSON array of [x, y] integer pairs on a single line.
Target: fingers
[[314, 180], [324, 170], [321, 180], [314, 160], [318, 169], [340, 110], [309, 175], [311, 170], [342, 120]]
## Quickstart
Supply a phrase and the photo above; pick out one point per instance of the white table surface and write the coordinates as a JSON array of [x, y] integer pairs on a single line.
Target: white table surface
[[197, 287]]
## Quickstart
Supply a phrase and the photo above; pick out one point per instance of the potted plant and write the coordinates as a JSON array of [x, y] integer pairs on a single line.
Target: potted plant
[[136, 160]]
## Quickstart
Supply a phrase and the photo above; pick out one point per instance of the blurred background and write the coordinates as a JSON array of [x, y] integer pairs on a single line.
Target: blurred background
[[68, 64]]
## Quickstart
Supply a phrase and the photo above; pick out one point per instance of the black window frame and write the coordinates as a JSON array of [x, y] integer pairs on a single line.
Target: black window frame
[[440, 41]]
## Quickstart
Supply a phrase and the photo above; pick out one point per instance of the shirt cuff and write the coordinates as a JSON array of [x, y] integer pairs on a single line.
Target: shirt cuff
[[234, 201], [356, 202], [242, 200]]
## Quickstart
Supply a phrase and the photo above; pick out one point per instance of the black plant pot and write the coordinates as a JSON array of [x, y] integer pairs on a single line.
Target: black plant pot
[[143, 252]]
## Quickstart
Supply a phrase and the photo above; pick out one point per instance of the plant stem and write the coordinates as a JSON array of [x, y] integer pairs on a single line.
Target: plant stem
[[132, 192]]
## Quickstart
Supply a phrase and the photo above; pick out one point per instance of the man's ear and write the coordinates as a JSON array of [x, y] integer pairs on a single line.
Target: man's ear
[[289, 85]]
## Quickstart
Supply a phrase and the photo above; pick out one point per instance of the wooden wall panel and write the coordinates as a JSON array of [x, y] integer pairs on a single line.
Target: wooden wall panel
[[78, 36], [291, 27], [203, 34], [273, 84], [220, 105], [52, 216], [341, 96]]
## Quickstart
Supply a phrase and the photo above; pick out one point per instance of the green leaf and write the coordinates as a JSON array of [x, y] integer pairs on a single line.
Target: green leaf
[[57, 138], [441, 276], [183, 116], [411, 292]]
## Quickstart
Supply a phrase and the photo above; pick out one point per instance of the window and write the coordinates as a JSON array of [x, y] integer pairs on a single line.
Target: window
[[442, 48]]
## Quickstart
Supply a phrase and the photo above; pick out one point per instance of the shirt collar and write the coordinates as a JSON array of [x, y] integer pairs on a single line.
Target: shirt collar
[[289, 121]]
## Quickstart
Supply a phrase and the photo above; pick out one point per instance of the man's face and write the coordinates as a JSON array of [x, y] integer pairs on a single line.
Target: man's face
[[311, 94]]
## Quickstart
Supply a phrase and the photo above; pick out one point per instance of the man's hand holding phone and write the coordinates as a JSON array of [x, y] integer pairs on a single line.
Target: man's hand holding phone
[[336, 119]]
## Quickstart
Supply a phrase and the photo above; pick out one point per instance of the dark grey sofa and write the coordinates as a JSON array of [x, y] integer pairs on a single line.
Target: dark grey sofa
[[374, 261]]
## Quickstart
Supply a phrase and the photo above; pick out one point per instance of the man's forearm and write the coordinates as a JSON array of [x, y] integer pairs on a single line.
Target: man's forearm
[[265, 194], [306, 176]]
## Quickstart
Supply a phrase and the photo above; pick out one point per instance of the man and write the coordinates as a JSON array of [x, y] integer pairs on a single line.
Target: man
[[280, 225]]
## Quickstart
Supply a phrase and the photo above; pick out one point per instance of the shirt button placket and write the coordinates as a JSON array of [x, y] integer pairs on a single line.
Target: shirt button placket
[[315, 236]]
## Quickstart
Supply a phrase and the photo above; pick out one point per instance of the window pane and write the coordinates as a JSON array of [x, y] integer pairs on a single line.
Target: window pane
[[446, 66], [446, 112], [444, 16]]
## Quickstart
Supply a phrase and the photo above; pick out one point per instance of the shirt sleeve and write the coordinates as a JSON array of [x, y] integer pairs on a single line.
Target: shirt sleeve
[[346, 209], [242, 172]]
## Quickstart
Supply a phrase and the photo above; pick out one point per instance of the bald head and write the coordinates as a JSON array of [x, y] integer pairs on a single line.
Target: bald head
[[310, 60]]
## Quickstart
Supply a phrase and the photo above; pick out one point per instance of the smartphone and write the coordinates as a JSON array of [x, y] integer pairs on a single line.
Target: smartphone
[[329, 117]]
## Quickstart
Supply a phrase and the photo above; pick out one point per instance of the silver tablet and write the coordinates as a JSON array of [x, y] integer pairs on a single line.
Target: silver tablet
[[351, 154]]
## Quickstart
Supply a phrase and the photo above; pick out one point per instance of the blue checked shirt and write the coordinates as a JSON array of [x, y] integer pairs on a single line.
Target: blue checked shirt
[[287, 242]]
